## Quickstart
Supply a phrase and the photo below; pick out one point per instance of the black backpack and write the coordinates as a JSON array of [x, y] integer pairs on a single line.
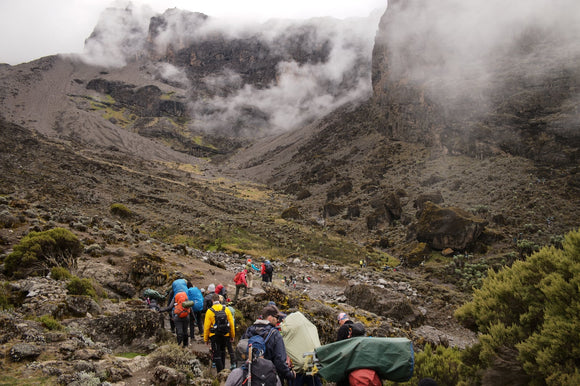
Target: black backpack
[[269, 268], [263, 373], [356, 329], [222, 324]]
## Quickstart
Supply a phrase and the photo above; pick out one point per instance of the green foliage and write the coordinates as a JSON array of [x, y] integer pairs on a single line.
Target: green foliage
[[60, 273], [50, 323], [534, 308], [440, 363], [526, 247], [37, 252], [5, 296], [172, 355], [120, 210], [79, 286]]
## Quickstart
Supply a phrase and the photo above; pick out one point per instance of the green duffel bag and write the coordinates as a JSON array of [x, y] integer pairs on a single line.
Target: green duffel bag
[[392, 358]]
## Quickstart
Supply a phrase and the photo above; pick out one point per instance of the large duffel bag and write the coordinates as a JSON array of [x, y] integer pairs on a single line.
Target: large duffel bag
[[300, 336], [392, 358]]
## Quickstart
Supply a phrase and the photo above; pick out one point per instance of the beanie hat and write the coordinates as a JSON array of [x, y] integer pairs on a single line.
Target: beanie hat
[[211, 288], [342, 316]]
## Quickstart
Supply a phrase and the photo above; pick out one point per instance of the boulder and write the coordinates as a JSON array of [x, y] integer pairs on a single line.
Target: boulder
[[450, 227], [384, 302], [24, 351]]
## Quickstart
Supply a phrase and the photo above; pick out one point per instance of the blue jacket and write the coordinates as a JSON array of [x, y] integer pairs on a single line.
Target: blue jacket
[[275, 348]]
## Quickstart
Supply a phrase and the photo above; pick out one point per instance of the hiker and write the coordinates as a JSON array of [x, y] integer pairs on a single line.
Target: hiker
[[269, 271], [263, 272], [241, 282], [218, 328], [256, 370], [348, 328], [178, 284], [179, 315], [275, 348], [194, 294]]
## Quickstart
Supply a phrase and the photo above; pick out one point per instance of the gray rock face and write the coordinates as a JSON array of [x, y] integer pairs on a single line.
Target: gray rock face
[[448, 227], [24, 351], [474, 87], [384, 302]]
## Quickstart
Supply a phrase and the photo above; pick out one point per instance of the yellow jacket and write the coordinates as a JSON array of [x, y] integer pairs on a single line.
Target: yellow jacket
[[210, 321]]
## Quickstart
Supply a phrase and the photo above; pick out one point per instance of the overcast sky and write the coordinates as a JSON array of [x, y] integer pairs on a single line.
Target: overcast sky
[[32, 29]]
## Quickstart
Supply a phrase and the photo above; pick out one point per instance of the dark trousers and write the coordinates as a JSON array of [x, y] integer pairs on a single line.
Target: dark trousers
[[195, 319], [181, 325], [231, 352], [218, 349], [238, 287]]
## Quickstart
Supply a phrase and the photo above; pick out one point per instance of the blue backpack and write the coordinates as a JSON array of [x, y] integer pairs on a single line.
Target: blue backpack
[[195, 295]]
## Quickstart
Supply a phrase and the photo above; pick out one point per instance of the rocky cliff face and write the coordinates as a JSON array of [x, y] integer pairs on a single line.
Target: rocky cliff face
[[478, 80]]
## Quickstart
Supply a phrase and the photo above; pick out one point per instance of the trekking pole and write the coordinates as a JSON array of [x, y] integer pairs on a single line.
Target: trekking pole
[[249, 364]]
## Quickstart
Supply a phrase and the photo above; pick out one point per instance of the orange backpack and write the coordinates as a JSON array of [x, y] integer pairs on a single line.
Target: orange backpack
[[178, 309]]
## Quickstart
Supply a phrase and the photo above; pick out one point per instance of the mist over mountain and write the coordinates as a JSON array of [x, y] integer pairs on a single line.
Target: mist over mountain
[[247, 79]]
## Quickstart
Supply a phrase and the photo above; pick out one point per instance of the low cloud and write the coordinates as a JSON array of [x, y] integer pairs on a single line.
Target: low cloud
[[304, 88]]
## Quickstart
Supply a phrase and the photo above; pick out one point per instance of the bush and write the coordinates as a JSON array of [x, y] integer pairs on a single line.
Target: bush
[[172, 355], [532, 309], [50, 323], [79, 286], [60, 273], [120, 210], [440, 363], [38, 252]]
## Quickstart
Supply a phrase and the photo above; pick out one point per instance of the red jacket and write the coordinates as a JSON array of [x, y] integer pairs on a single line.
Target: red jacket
[[242, 278]]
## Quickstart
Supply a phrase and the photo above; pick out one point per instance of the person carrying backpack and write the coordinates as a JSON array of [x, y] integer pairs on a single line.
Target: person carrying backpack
[[218, 329], [178, 285], [275, 348], [348, 328], [241, 282], [194, 294], [269, 270], [179, 312], [257, 370]]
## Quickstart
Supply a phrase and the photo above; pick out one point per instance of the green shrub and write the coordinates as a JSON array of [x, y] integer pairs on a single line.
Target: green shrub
[[532, 309], [172, 355], [38, 252], [440, 363], [60, 273], [79, 286], [120, 210], [5, 296], [50, 323]]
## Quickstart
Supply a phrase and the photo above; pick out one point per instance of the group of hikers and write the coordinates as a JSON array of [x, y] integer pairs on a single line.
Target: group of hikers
[[262, 357]]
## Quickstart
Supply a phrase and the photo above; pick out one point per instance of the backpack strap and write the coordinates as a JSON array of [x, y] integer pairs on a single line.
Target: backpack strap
[[270, 333]]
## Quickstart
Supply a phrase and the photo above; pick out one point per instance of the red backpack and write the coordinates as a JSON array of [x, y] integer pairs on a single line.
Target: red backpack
[[178, 309], [364, 377]]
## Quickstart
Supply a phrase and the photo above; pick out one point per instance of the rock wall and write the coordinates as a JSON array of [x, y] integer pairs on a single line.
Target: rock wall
[[475, 79]]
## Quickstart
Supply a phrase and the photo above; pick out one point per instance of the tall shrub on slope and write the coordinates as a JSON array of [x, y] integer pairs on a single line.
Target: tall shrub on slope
[[38, 252], [532, 310]]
